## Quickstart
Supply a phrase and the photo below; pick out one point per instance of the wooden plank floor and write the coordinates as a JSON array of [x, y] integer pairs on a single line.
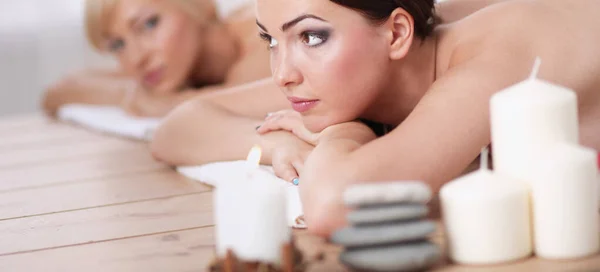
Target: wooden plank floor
[[71, 200]]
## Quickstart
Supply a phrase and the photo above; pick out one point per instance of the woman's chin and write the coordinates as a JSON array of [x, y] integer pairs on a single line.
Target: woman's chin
[[165, 88], [317, 124]]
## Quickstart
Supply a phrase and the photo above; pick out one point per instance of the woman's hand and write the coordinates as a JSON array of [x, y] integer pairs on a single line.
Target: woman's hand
[[288, 161], [86, 87], [291, 121], [336, 143], [137, 102], [328, 170], [56, 96], [290, 153], [287, 154], [142, 103]]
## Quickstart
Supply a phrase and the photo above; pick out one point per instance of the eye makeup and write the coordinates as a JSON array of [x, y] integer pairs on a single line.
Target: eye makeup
[[315, 38], [267, 38]]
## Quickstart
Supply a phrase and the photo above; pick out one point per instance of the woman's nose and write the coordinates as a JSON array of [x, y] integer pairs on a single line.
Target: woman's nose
[[286, 74], [138, 57]]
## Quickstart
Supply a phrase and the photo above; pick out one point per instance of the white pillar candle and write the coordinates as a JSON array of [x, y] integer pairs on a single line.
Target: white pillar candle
[[251, 217], [565, 195], [528, 117], [486, 217]]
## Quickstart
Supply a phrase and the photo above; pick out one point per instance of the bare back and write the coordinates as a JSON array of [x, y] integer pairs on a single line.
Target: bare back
[[565, 35]]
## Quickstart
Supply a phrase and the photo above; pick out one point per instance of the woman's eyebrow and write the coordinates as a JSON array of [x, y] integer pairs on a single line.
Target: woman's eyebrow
[[285, 27], [136, 16], [261, 26]]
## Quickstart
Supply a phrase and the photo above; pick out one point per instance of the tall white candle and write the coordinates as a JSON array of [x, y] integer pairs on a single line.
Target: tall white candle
[[251, 217], [526, 118], [486, 217], [565, 194]]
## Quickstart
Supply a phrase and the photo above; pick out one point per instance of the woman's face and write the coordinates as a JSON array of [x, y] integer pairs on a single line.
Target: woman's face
[[330, 61], [156, 42]]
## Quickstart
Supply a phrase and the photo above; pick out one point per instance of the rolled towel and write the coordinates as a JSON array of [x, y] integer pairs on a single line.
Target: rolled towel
[[218, 173], [227, 7], [110, 120]]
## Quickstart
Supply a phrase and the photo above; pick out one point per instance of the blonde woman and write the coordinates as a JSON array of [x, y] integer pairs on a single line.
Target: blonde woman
[[167, 50]]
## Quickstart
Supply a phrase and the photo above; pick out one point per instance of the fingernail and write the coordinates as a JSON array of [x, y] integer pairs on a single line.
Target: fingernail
[[268, 115], [296, 181]]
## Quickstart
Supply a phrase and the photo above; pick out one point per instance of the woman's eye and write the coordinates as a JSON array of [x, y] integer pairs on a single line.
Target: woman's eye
[[270, 40], [152, 22], [116, 45], [273, 43], [314, 39]]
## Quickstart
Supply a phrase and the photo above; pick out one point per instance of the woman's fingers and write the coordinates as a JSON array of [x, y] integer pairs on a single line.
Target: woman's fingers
[[276, 123], [285, 171], [298, 165], [288, 166], [306, 135], [289, 121], [131, 108], [271, 122]]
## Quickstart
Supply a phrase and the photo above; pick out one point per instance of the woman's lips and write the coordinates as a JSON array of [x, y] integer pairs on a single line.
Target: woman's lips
[[153, 78], [302, 105]]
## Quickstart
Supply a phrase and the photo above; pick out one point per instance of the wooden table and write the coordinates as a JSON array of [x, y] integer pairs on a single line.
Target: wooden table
[[71, 200]]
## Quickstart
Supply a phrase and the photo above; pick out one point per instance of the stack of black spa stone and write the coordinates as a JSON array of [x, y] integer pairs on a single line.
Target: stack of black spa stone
[[388, 230]]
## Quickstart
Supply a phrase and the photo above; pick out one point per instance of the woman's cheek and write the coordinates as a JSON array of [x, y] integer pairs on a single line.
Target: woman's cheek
[[344, 74], [179, 48]]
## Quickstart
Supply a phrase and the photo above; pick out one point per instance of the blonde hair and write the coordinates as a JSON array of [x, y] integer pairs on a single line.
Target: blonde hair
[[98, 13]]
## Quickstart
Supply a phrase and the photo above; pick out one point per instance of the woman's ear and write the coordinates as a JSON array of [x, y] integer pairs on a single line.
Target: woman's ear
[[401, 26]]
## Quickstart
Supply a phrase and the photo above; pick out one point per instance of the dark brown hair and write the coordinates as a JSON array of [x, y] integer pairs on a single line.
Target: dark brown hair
[[423, 11]]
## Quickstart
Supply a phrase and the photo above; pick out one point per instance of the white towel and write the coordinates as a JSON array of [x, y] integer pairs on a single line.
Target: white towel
[[227, 7], [218, 173], [109, 119]]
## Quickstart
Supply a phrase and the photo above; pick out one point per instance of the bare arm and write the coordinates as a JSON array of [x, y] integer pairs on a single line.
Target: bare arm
[[453, 10], [435, 143], [103, 87], [219, 126], [110, 87], [140, 102]]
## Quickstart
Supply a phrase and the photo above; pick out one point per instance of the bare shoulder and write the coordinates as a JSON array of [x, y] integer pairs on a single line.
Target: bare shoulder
[[496, 28], [516, 19], [254, 63], [520, 30], [496, 47]]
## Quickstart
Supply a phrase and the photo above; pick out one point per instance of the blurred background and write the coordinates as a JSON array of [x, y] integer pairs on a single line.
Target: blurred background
[[40, 40]]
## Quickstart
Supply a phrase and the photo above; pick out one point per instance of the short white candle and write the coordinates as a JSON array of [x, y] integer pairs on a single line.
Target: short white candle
[[526, 118], [251, 217], [565, 210], [486, 217]]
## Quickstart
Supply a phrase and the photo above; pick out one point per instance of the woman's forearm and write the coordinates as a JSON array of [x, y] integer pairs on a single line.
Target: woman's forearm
[[199, 132], [218, 127], [205, 133], [86, 88], [329, 169]]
